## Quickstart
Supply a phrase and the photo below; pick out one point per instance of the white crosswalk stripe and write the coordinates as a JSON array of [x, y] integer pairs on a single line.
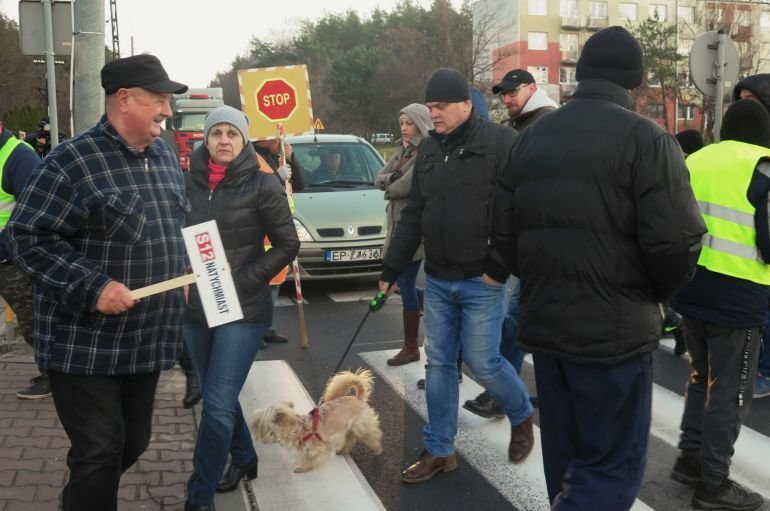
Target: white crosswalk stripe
[[483, 443]]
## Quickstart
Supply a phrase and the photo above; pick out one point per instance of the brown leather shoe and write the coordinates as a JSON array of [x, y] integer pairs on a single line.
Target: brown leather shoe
[[522, 441], [427, 466]]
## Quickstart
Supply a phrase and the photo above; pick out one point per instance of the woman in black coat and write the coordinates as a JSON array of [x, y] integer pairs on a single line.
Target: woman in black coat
[[225, 184]]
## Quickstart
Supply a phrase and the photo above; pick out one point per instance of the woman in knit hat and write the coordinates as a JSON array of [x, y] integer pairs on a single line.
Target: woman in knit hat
[[395, 179], [224, 184]]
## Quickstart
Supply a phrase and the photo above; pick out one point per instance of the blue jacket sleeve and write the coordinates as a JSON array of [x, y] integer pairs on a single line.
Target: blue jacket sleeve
[[758, 195]]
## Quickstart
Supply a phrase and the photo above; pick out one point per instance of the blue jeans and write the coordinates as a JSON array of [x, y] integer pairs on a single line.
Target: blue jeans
[[467, 313], [222, 358], [410, 295], [508, 347]]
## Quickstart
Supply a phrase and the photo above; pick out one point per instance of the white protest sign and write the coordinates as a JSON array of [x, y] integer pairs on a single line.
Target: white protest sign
[[215, 282]]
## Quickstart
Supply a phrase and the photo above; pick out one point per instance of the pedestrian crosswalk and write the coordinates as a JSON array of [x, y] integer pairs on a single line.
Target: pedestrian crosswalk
[[483, 442]]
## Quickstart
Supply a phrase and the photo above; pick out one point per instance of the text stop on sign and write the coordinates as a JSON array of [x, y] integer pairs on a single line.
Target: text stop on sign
[[276, 99]]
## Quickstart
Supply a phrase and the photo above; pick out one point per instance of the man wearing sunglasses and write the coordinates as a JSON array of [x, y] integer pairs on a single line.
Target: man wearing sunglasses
[[523, 100], [525, 104]]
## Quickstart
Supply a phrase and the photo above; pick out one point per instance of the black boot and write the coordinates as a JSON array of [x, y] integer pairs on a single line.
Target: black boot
[[485, 406], [235, 473], [193, 394], [272, 336]]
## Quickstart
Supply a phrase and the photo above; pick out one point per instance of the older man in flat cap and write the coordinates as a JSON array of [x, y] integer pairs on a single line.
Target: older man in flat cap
[[101, 216]]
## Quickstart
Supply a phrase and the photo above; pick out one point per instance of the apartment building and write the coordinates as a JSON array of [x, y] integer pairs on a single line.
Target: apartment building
[[545, 37]]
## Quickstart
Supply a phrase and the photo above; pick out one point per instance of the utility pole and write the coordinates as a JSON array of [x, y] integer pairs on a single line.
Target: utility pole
[[88, 58], [50, 73]]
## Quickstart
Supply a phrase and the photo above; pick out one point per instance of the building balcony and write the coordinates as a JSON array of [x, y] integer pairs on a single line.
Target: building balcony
[[569, 56], [572, 22], [595, 23]]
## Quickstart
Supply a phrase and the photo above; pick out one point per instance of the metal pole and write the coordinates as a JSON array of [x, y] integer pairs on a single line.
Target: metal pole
[[89, 60], [50, 71], [720, 82]]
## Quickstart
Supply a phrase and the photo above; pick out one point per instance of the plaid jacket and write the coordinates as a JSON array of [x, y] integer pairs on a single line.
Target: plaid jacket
[[99, 210]]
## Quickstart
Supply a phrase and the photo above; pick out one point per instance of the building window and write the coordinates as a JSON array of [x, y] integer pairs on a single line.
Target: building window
[[684, 46], [567, 76], [597, 10], [741, 17], [687, 14], [627, 12], [764, 20], [686, 112], [537, 7], [568, 44], [537, 40], [659, 12], [764, 51], [569, 8], [540, 73], [655, 110]]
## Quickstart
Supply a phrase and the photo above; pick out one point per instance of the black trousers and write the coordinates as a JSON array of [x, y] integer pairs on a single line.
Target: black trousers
[[594, 428], [719, 392], [108, 420]]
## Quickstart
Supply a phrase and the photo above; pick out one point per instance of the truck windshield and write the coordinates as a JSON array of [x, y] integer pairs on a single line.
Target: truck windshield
[[190, 122]]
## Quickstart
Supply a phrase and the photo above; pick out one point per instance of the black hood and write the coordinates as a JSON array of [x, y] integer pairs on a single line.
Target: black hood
[[759, 85]]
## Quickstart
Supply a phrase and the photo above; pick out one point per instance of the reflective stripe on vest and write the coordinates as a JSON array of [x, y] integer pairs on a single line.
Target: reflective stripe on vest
[[720, 175], [7, 201]]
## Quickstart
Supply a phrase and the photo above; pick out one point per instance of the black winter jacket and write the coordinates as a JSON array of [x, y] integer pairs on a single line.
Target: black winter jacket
[[450, 204], [597, 218], [247, 205]]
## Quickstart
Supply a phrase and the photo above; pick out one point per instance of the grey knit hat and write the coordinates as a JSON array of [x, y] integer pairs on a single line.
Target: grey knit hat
[[228, 115]]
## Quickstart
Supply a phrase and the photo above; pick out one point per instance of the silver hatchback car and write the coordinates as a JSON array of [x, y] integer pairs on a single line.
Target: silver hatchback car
[[340, 215]]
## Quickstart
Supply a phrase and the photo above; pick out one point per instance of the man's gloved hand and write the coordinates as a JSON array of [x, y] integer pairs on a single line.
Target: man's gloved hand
[[285, 172]]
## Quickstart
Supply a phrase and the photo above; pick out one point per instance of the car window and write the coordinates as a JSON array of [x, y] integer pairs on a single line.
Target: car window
[[190, 122], [329, 162]]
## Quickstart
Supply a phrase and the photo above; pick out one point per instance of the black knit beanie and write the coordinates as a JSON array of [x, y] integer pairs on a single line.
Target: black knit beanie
[[689, 140], [447, 85], [612, 54], [746, 121]]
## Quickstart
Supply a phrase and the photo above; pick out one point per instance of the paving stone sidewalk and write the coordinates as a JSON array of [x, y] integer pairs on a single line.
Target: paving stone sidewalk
[[33, 447]]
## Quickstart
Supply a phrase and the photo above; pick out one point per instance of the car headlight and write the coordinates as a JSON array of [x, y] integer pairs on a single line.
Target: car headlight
[[302, 233]]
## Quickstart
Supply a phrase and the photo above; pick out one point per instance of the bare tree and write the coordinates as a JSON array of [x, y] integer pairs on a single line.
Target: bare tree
[[493, 30]]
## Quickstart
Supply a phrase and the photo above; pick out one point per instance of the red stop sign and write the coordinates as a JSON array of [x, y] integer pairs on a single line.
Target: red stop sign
[[276, 99]]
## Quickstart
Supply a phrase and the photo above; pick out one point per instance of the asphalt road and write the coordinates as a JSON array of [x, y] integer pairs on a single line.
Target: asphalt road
[[335, 310]]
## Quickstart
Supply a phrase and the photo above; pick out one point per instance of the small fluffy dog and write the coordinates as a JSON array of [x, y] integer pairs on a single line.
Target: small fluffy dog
[[343, 418]]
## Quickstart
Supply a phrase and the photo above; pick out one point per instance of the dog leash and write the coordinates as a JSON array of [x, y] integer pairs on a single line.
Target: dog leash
[[375, 304]]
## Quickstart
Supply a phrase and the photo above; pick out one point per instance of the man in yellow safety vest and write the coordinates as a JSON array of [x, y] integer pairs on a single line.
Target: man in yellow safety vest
[[725, 305]]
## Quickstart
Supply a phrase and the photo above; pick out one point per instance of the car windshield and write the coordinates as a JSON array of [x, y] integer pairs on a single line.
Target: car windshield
[[190, 122], [341, 165]]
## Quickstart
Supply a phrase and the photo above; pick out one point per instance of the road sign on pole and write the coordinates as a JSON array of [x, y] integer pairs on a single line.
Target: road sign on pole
[[714, 66], [274, 95]]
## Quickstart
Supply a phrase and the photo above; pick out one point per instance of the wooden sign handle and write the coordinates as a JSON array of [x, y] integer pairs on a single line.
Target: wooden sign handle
[[166, 285]]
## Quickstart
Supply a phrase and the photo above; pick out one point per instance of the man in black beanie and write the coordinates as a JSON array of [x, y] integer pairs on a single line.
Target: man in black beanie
[[596, 217], [690, 141], [448, 210], [725, 304]]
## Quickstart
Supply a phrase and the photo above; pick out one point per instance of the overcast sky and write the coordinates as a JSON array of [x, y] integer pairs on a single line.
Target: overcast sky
[[195, 39]]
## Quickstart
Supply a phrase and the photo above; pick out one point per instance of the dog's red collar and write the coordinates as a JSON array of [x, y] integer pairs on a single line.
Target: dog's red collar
[[313, 432]]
